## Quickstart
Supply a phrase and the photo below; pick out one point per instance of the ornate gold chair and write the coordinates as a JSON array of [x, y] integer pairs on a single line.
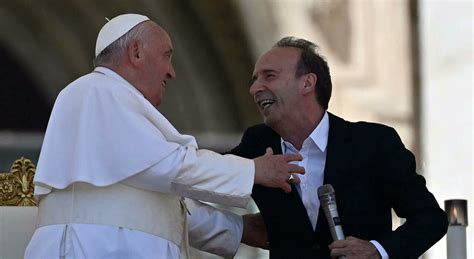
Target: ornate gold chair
[[17, 208]]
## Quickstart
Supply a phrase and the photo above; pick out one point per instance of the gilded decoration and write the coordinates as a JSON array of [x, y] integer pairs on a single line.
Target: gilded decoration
[[16, 186]]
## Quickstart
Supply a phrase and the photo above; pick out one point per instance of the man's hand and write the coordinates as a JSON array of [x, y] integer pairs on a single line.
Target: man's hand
[[274, 170], [354, 248], [255, 232]]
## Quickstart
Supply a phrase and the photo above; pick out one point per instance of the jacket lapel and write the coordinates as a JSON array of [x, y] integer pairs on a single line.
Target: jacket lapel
[[338, 159], [275, 143], [338, 155]]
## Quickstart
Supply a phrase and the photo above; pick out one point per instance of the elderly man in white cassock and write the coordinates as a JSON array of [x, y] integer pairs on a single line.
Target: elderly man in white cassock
[[112, 169]]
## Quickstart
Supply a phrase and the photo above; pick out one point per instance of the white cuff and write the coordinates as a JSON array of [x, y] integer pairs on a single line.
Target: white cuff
[[213, 230], [380, 248]]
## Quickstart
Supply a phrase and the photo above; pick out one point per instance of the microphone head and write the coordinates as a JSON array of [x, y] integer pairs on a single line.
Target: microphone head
[[326, 195], [326, 189]]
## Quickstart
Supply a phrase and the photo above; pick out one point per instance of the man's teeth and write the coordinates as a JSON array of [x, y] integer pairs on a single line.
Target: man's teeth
[[266, 103]]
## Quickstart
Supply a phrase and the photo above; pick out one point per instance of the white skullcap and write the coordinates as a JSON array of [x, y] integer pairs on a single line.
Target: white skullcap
[[116, 28]]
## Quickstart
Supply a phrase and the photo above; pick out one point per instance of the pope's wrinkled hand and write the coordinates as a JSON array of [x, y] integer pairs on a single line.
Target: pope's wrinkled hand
[[255, 231], [274, 170]]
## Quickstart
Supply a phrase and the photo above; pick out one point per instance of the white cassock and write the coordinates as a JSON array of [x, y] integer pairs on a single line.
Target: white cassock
[[103, 132]]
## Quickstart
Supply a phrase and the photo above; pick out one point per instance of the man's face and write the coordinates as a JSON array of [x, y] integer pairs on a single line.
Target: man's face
[[157, 69], [274, 86]]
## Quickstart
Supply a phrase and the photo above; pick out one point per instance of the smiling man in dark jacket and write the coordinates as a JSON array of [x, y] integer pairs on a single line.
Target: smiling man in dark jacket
[[366, 163]]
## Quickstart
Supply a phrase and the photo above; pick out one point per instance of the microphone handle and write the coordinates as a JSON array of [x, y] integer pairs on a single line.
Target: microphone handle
[[336, 232], [334, 223]]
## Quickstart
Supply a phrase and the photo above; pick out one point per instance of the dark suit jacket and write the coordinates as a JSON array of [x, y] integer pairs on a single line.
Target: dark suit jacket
[[371, 172]]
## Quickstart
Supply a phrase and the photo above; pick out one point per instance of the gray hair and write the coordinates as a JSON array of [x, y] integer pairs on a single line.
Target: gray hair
[[118, 48]]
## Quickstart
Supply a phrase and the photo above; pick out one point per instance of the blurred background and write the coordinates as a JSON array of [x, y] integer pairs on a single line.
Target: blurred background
[[407, 64]]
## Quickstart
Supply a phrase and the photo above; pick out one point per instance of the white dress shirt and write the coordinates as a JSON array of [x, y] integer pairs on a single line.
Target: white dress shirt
[[314, 151]]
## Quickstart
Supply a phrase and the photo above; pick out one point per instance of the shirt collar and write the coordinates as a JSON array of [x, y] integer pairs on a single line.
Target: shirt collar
[[319, 135], [321, 132]]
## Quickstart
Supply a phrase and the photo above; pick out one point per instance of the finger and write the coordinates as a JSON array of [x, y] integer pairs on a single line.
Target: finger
[[286, 187], [337, 252], [293, 157], [337, 244], [269, 151], [296, 169]]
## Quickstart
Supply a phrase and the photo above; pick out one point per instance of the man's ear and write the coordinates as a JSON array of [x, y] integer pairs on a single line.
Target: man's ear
[[309, 83], [135, 52]]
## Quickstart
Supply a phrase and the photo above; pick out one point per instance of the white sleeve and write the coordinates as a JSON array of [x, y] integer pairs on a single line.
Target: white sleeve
[[213, 230], [158, 178], [201, 175]]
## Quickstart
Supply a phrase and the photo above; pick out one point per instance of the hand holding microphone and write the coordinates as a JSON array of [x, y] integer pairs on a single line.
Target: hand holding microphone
[[350, 246]]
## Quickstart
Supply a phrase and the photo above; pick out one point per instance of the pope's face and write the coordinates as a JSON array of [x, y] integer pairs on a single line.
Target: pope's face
[[157, 69], [274, 85]]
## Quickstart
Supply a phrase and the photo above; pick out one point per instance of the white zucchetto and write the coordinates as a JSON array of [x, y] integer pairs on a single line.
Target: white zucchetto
[[116, 28]]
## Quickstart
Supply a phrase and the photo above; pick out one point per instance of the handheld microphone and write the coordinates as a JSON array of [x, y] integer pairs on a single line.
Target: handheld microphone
[[327, 198]]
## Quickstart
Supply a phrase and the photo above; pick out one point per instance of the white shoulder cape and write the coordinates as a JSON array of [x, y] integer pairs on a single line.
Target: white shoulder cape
[[101, 131]]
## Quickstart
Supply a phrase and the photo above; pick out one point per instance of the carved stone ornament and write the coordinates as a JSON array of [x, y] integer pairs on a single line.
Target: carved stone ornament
[[16, 186]]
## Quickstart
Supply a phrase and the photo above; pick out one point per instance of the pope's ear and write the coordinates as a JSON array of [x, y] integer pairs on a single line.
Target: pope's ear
[[135, 52], [309, 83]]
